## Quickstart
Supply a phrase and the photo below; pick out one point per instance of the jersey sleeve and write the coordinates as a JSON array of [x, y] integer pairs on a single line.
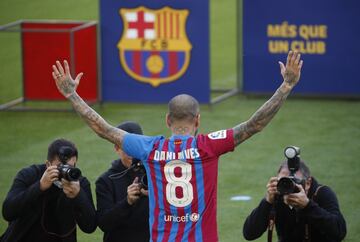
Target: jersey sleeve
[[219, 142], [138, 146]]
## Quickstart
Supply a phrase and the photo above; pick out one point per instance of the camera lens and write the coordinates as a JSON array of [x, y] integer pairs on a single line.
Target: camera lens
[[69, 173], [74, 174], [286, 186]]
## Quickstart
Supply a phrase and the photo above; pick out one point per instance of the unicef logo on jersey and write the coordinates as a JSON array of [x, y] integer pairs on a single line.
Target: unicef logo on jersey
[[221, 134], [194, 217]]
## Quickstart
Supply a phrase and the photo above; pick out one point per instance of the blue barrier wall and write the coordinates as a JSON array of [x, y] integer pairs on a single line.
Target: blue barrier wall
[[327, 32]]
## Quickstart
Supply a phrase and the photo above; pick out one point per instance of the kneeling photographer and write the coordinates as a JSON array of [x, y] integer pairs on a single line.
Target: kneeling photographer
[[297, 205], [46, 202], [122, 199]]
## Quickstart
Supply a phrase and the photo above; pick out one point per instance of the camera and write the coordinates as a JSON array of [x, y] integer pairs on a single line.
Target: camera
[[287, 185], [139, 169], [66, 171]]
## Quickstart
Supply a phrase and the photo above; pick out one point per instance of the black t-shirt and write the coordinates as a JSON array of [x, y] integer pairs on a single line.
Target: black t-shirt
[[47, 228], [37, 233]]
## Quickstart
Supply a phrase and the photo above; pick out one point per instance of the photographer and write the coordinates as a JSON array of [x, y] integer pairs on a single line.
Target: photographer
[[299, 207], [46, 202], [122, 202]]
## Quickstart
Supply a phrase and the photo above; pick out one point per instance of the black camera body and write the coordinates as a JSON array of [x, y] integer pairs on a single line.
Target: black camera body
[[140, 171], [287, 185], [66, 171]]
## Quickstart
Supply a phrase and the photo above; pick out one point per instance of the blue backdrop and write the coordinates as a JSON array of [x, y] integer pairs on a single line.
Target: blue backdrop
[[327, 32], [163, 51]]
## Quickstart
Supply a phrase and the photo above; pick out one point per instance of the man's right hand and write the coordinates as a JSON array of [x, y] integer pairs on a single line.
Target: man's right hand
[[64, 82], [50, 175], [271, 190], [133, 191]]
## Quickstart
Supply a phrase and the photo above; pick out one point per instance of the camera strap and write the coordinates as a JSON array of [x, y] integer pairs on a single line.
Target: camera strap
[[53, 233], [122, 173], [271, 224]]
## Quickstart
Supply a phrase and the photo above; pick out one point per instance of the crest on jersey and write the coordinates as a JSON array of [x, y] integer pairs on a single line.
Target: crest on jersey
[[154, 47]]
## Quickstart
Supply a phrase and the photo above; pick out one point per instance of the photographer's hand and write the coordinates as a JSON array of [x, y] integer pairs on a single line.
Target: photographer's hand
[[297, 200], [133, 191], [144, 192], [271, 190], [70, 188], [50, 175]]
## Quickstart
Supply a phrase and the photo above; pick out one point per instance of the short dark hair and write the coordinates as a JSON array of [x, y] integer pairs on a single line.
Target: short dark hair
[[183, 107], [54, 148], [303, 168], [130, 127]]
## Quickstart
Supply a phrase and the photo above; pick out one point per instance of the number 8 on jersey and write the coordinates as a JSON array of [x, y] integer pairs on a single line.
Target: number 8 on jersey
[[182, 182]]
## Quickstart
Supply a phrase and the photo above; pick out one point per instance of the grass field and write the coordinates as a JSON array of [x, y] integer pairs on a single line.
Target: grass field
[[328, 131]]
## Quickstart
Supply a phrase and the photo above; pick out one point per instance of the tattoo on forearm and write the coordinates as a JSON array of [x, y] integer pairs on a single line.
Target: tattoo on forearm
[[95, 121], [260, 118]]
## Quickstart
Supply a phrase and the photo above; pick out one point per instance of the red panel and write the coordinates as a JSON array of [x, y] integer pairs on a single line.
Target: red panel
[[86, 62], [41, 50]]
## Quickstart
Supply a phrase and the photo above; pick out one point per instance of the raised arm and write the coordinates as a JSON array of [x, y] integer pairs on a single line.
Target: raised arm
[[291, 74], [67, 86]]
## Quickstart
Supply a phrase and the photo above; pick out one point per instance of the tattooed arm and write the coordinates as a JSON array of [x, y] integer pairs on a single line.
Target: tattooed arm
[[67, 86], [291, 74]]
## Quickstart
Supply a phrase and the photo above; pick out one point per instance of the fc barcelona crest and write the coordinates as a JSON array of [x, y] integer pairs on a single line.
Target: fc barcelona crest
[[154, 47]]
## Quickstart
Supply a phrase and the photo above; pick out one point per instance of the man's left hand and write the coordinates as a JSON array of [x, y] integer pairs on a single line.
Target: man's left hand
[[292, 69], [297, 200], [70, 188]]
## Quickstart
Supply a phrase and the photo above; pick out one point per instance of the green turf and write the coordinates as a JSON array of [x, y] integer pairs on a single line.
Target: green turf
[[327, 131]]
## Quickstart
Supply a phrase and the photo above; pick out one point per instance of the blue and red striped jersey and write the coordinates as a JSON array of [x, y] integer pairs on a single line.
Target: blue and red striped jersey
[[182, 181]]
